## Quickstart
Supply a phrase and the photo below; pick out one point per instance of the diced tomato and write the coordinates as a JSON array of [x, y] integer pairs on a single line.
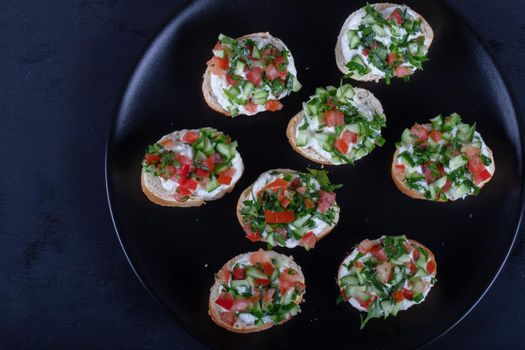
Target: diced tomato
[[218, 65], [184, 160], [343, 294], [255, 76], [239, 273], [435, 135], [296, 182], [287, 279], [366, 303], [475, 165], [191, 184], [308, 240], [334, 118], [170, 169], [391, 58], [210, 163], [253, 236], [283, 199], [263, 282], [278, 61], [240, 304], [279, 217], [190, 136], [384, 272], [420, 131], [481, 176], [447, 186], [283, 74], [350, 137], [268, 295], [273, 105], [358, 265], [271, 72], [402, 71], [228, 318], [267, 268], [259, 257], [378, 252], [224, 178], [431, 266], [365, 246], [341, 145], [412, 267], [415, 254], [301, 190], [218, 46], [167, 143], [408, 294], [250, 107], [365, 52], [184, 170], [398, 296], [225, 300], [181, 193], [223, 275], [396, 16], [400, 170], [309, 203], [202, 173], [472, 151], [152, 158], [277, 184], [326, 200]]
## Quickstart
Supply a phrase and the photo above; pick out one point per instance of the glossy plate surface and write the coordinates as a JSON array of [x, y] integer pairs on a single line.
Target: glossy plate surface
[[176, 251]]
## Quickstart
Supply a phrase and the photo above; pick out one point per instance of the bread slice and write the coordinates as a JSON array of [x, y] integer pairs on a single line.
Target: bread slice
[[246, 195], [152, 185], [400, 184], [362, 95], [215, 311], [207, 92], [426, 30]]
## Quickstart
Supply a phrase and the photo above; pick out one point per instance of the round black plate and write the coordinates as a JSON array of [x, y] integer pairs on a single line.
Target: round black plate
[[176, 251]]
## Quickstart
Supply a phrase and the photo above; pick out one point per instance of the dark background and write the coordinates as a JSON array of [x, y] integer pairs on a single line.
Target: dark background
[[64, 280]]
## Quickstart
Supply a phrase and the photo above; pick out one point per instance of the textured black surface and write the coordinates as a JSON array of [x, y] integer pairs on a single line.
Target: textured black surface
[[65, 282]]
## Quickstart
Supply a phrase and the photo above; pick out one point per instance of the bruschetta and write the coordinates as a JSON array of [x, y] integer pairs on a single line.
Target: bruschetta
[[443, 160], [254, 291], [249, 75], [337, 125], [288, 208], [386, 275], [382, 41], [189, 167]]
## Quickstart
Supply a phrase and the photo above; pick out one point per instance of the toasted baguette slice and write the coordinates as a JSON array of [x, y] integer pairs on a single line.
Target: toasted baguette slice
[[415, 262], [231, 319], [264, 179], [211, 97], [353, 21], [398, 175], [364, 98], [164, 192]]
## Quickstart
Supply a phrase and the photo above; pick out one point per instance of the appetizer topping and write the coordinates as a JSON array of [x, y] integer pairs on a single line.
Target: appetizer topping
[[250, 76], [199, 162], [339, 126], [259, 289], [387, 42], [290, 208], [443, 160], [385, 276]]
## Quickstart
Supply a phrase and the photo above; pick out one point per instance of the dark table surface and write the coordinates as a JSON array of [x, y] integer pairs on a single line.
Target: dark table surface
[[64, 280]]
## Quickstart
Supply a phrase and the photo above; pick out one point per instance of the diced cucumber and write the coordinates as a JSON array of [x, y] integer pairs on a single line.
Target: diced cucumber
[[413, 48], [233, 110], [239, 67], [432, 190], [224, 149], [359, 60], [255, 273], [298, 233], [451, 121], [421, 272], [256, 53], [247, 89], [353, 39], [405, 258], [327, 146], [459, 191], [301, 221], [431, 142], [359, 153], [368, 20], [457, 162], [414, 176], [407, 159], [349, 281], [287, 298], [296, 85], [321, 93], [260, 97], [466, 132], [421, 262], [322, 137], [218, 53], [360, 278], [345, 91], [353, 128], [358, 292], [200, 156], [274, 275], [437, 122], [226, 39], [406, 137], [212, 185], [331, 90], [440, 182], [208, 147], [370, 145], [240, 283], [395, 30], [395, 309], [302, 138], [221, 167], [387, 307], [312, 107], [446, 136], [378, 30]]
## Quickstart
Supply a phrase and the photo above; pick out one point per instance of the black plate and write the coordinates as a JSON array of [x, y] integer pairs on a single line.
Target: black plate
[[175, 251]]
